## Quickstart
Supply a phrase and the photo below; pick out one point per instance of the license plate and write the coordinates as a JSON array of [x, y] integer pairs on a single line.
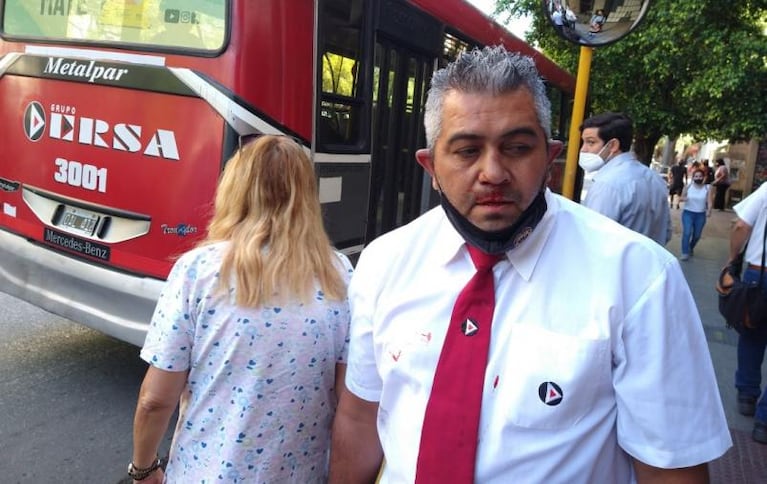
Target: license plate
[[79, 220]]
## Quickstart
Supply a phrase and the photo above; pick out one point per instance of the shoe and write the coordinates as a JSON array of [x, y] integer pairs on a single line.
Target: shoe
[[747, 407], [677, 206], [684, 257], [759, 433]]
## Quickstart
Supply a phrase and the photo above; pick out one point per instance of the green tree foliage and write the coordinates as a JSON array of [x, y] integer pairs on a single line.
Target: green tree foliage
[[697, 68], [338, 74]]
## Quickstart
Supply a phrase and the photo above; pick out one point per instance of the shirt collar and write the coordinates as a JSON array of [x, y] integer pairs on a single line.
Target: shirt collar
[[448, 242], [615, 162], [523, 258], [526, 255]]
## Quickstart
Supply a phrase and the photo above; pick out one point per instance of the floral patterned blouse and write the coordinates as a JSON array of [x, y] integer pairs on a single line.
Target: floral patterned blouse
[[259, 398]]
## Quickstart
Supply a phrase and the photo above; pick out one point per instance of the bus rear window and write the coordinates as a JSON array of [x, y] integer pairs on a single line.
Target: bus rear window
[[186, 24]]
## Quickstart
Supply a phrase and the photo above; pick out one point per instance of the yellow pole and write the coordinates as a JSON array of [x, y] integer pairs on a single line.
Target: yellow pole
[[579, 107]]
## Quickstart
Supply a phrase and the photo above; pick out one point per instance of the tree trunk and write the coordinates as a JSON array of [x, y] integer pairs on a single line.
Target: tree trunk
[[644, 144]]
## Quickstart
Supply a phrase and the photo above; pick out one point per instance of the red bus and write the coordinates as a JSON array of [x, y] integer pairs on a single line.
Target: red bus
[[118, 115]]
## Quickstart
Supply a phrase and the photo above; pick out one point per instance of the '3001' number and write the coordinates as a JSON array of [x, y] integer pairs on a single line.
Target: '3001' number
[[78, 174]]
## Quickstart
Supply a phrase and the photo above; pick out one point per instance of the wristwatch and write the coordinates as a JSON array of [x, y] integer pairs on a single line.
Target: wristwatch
[[139, 474]]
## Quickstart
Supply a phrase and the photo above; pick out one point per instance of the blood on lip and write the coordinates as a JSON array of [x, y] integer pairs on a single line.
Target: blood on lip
[[491, 199]]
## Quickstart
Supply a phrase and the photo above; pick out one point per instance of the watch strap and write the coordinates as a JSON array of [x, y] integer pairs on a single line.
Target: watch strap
[[139, 474]]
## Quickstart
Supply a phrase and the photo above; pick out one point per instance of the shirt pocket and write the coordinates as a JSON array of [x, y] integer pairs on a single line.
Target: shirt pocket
[[549, 380]]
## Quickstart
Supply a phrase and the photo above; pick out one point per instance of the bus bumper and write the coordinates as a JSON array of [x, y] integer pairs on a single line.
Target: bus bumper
[[115, 303]]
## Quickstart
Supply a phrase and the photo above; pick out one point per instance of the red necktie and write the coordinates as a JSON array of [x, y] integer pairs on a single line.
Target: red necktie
[[449, 434]]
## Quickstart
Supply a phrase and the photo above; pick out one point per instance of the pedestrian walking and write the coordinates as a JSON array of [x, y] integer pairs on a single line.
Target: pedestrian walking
[[721, 183], [697, 199], [677, 179], [597, 21], [250, 334], [748, 232]]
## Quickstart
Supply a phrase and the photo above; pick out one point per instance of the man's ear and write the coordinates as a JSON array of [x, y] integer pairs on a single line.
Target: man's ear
[[616, 149], [424, 158], [555, 148]]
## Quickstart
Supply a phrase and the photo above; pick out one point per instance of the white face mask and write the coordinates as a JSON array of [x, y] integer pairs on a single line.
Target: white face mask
[[591, 161]]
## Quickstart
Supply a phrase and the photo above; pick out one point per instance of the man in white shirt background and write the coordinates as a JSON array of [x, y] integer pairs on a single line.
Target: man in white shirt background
[[748, 233]]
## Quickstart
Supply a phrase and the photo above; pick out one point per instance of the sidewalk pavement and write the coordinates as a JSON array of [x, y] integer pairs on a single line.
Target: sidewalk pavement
[[746, 461]]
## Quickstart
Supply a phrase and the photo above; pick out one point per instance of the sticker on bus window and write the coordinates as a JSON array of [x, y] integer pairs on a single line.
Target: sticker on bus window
[[126, 13]]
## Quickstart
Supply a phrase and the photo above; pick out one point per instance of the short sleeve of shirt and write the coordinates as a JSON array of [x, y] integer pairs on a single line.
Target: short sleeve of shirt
[[343, 318], [662, 347], [752, 206], [753, 211], [362, 376], [171, 332]]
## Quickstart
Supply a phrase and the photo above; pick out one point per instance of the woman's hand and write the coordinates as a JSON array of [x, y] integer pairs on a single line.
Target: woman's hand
[[155, 477]]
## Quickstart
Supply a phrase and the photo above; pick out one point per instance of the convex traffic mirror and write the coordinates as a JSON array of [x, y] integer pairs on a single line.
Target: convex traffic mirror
[[603, 22]]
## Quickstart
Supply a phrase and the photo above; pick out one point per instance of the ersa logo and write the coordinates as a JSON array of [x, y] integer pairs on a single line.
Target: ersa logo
[[97, 132], [34, 121]]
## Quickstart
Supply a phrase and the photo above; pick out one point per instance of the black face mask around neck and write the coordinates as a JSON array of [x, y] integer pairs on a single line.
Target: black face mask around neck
[[498, 241]]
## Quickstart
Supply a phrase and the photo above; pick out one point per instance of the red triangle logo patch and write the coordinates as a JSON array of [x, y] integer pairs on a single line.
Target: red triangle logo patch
[[552, 393]]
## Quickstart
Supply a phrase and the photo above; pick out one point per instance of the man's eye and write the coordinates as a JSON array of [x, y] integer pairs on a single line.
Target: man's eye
[[516, 149], [468, 152]]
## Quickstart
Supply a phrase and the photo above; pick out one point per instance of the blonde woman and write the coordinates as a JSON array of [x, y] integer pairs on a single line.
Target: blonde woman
[[250, 334]]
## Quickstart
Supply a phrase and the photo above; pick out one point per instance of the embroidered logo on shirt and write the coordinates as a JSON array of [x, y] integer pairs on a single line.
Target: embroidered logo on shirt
[[550, 393], [469, 328]]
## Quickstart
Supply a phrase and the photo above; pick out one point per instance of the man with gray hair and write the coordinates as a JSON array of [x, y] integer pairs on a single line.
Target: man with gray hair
[[511, 335]]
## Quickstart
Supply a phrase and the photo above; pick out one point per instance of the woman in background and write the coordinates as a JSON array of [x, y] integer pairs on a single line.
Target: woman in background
[[597, 20], [250, 333], [721, 182], [697, 206]]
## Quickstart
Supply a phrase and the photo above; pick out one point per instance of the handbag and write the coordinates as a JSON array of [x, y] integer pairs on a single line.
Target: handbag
[[742, 304]]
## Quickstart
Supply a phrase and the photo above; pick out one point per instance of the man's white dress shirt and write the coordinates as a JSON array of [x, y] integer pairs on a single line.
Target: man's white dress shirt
[[597, 350]]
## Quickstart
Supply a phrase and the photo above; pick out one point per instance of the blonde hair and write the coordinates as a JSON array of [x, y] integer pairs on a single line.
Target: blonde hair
[[267, 206]]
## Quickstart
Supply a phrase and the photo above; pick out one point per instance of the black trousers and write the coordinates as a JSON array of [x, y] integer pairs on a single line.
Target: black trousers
[[721, 190]]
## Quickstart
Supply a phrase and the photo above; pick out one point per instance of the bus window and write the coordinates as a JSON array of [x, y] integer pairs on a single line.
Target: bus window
[[557, 120], [340, 114], [339, 83], [452, 47], [185, 24], [339, 74]]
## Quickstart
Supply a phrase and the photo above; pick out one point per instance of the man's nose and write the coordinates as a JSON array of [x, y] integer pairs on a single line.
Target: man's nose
[[492, 168]]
